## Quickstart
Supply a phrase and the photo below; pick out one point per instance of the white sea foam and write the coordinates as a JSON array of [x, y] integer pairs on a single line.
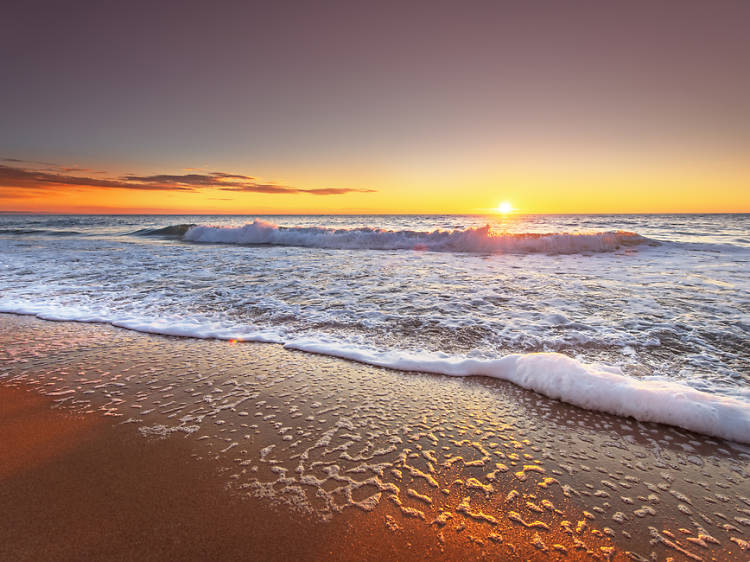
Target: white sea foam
[[176, 326], [594, 387], [479, 240], [591, 386]]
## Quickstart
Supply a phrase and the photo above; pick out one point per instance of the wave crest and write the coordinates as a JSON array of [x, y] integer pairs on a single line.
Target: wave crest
[[172, 231], [472, 240]]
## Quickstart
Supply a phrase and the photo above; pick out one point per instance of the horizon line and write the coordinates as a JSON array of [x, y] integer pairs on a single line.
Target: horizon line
[[266, 214]]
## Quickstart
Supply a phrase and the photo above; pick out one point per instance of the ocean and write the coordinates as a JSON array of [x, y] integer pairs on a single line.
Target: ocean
[[637, 315]]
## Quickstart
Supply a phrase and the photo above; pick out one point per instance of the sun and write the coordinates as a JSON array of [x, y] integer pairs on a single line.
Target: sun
[[504, 208]]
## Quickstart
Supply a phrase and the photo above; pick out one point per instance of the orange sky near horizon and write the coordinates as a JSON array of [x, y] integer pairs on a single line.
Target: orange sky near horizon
[[605, 188], [552, 200]]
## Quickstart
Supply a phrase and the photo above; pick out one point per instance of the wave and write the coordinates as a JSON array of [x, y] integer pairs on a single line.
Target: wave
[[591, 386], [601, 388], [173, 231], [474, 240]]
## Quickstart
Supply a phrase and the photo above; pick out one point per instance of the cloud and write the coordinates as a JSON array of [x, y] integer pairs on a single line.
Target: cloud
[[195, 180], [337, 191], [273, 188], [235, 182], [15, 178]]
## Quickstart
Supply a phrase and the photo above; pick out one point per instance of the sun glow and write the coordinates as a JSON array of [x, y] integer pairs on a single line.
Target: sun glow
[[504, 208]]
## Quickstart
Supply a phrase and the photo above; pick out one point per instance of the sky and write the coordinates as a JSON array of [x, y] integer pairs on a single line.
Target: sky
[[375, 107]]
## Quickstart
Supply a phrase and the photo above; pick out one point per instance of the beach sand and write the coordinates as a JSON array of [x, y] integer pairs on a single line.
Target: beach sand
[[120, 445]]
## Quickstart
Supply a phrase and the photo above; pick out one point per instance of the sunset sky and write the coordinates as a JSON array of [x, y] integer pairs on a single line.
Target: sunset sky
[[377, 107]]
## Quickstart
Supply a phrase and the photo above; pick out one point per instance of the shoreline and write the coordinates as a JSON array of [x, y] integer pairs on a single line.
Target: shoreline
[[556, 376], [345, 455]]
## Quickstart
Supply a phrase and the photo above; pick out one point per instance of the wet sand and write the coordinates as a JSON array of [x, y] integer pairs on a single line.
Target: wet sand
[[118, 445]]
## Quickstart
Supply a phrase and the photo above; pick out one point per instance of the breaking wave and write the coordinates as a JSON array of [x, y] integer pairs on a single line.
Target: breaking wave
[[475, 240]]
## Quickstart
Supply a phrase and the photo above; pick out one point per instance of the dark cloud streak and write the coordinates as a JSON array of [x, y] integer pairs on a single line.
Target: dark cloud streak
[[199, 180], [14, 178], [272, 188], [35, 179], [336, 191]]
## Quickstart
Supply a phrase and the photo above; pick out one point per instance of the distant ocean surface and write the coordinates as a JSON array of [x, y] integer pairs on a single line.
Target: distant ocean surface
[[641, 315]]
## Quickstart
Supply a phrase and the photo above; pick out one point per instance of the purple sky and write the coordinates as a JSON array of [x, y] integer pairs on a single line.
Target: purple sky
[[267, 88]]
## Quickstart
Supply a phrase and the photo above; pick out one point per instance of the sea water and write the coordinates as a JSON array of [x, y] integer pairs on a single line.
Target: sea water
[[638, 315]]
